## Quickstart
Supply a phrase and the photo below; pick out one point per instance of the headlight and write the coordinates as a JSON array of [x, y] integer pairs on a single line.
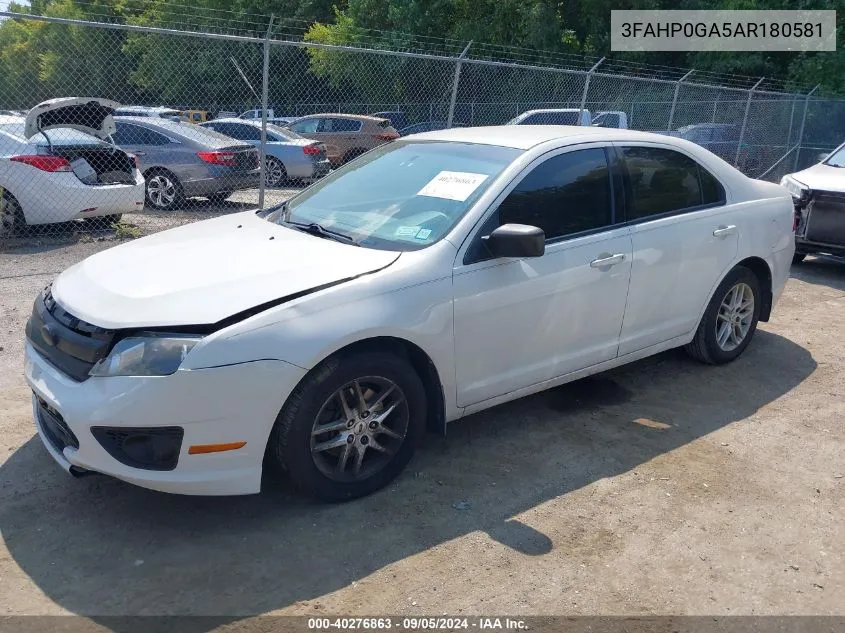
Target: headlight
[[148, 354], [797, 189]]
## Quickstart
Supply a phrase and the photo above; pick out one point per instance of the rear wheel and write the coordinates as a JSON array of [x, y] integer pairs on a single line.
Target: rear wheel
[[274, 172], [798, 258], [12, 221], [164, 191], [730, 320], [351, 426]]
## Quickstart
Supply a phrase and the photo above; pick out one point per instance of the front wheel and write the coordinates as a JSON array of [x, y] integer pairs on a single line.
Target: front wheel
[[351, 426], [730, 320]]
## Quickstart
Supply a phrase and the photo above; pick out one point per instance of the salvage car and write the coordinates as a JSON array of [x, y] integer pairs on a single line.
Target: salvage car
[[55, 166], [182, 160], [819, 195], [345, 136], [288, 155], [433, 277]]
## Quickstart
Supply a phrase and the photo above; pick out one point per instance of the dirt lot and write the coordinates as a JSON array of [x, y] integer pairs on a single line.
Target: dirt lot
[[663, 487]]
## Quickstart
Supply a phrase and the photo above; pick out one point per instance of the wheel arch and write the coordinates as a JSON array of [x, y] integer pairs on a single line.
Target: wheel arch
[[763, 272], [421, 363]]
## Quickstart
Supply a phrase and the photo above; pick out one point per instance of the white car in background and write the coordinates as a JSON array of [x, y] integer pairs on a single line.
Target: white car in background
[[432, 277], [55, 166]]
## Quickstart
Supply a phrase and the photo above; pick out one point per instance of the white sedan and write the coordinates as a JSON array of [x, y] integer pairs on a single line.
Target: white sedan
[[55, 166], [431, 278]]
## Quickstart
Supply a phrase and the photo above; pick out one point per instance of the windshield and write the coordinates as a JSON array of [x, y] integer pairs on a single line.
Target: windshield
[[400, 196], [837, 159]]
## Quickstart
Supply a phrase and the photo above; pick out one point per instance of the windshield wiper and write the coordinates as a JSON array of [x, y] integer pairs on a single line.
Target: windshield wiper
[[315, 228]]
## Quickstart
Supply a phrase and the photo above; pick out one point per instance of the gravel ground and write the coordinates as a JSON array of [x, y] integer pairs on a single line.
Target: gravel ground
[[664, 487]]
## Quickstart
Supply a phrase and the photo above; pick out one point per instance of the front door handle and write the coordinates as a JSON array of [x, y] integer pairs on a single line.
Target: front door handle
[[724, 231], [605, 260]]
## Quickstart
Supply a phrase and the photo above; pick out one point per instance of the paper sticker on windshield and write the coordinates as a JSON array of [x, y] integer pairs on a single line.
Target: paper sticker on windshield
[[406, 231], [452, 185], [423, 234]]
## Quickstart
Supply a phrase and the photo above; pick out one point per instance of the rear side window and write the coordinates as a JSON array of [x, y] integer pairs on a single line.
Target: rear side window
[[243, 132], [340, 125], [662, 181], [308, 126], [566, 194]]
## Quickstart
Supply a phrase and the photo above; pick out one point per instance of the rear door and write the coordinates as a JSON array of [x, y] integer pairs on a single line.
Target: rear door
[[519, 322], [685, 238]]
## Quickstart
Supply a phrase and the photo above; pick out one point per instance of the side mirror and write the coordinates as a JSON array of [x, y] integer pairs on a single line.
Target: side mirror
[[516, 240]]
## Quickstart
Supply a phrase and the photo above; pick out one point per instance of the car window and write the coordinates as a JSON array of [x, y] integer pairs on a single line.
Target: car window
[[712, 191], [568, 193], [282, 134], [339, 125], [665, 181], [128, 134], [243, 132], [153, 138], [309, 126]]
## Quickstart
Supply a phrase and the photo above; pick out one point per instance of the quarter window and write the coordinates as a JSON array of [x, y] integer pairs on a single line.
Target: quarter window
[[568, 193], [665, 181], [128, 134]]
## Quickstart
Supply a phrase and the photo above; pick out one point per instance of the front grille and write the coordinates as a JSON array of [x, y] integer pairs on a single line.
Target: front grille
[[148, 448], [70, 344], [54, 427]]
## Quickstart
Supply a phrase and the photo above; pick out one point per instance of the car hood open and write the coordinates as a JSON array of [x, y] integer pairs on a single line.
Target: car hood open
[[91, 115], [203, 273], [822, 177]]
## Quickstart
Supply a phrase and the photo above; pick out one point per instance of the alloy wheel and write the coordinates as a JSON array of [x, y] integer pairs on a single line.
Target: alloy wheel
[[161, 191], [736, 313], [359, 429], [274, 172]]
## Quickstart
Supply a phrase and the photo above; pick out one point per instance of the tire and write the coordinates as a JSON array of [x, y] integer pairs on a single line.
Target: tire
[[798, 258], [220, 197], [705, 347], [12, 221], [163, 190], [275, 173], [296, 449]]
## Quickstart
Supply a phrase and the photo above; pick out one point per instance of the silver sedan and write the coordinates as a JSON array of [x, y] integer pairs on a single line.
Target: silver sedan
[[289, 156]]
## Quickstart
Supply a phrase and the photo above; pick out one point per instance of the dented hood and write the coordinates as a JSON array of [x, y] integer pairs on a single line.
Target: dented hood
[[91, 115], [204, 272]]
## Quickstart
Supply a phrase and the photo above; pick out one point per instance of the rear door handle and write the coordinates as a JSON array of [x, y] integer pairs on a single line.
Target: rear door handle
[[605, 260], [724, 231]]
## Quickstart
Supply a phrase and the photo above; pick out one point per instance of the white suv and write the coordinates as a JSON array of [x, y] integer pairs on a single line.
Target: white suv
[[430, 278]]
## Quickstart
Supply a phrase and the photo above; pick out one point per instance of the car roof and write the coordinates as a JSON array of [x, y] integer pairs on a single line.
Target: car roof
[[360, 117], [552, 110], [147, 109], [527, 136]]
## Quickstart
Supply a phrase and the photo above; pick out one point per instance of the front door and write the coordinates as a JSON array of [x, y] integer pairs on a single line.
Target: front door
[[519, 322]]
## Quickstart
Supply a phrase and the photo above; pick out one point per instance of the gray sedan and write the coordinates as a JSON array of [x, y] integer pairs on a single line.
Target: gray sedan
[[288, 154], [183, 160]]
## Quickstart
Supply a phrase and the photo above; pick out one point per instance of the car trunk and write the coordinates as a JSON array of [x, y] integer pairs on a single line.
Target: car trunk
[[105, 165], [246, 157]]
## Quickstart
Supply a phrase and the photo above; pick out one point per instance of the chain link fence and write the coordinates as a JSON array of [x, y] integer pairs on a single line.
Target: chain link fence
[[190, 142]]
